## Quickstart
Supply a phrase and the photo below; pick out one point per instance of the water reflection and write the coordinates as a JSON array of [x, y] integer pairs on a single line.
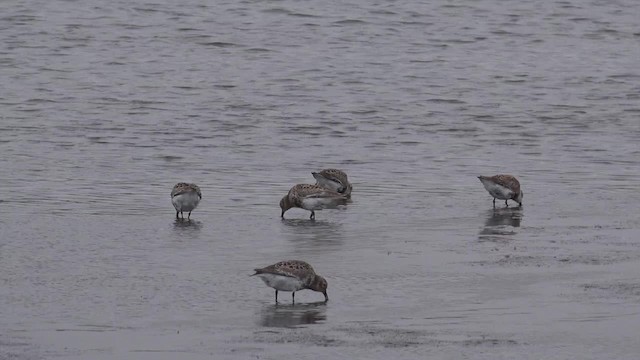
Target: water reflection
[[501, 221], [189, 226], [319, 234], [288, 315]]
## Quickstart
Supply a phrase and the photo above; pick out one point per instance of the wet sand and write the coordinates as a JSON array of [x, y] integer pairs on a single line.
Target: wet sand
[[474, 282]]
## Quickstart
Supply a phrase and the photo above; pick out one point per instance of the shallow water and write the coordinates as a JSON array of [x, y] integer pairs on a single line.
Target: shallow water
[[105, 108]]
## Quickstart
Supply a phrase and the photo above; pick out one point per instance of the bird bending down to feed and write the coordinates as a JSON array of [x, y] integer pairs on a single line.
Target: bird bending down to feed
[[503, 187], [292, 275], [311, 197]]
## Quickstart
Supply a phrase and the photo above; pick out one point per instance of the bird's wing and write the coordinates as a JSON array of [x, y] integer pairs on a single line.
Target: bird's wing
[[178, 189], [181, 188], [335, 175], [316, 191], [507, 181], [291, 268]]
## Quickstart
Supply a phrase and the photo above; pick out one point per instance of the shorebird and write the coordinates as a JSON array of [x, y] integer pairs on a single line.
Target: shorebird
[[185, 197], [504, 187], [333, 179], [311, 197], [292, 275]]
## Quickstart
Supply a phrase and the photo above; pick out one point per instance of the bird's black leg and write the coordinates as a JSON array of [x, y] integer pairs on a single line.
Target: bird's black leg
[[313, 215], [189, 216], [182, 214], [293, 297], [276, 296], [177, 213], [506, 203], [494, 202]]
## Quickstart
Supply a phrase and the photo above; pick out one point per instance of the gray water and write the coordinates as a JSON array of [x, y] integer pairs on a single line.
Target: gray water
[[106, 105]]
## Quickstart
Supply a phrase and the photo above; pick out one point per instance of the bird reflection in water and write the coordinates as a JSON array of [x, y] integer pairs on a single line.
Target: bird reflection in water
[[501, 222], [281, 315]]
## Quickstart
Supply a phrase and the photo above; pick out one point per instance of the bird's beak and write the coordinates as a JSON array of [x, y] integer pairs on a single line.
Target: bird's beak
[[326, 298]]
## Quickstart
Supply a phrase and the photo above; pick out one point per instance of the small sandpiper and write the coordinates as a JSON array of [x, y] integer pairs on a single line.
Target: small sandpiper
[[333, 179], [311, 197], [292, 275], [503, 187], [185, 197]]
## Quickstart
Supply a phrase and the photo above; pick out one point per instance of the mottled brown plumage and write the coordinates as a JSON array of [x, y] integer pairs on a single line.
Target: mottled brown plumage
[[181, 188], [505, 187], [300, 273], [508, 181], [292, 268]]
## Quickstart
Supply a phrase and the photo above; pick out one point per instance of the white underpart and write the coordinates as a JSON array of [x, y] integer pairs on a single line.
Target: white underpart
[[317, 203], [185, 202], [497, 191], [282, 283]]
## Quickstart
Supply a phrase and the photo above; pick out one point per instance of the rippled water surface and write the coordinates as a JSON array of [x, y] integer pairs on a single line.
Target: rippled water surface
[[105, 106]]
